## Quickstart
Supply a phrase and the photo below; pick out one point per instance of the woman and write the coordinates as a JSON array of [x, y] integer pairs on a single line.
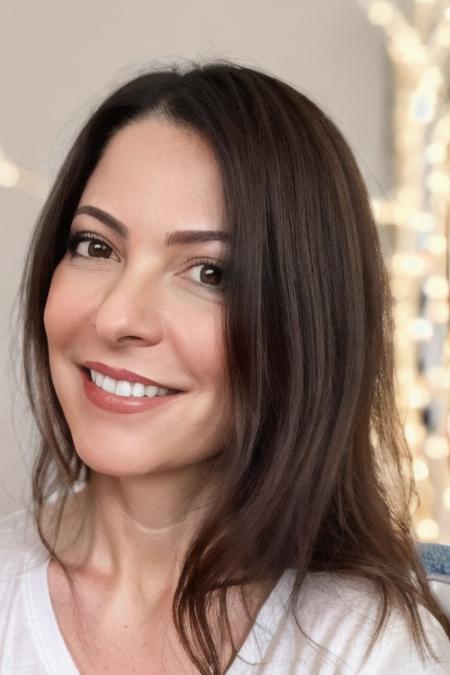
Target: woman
[[207, 342]]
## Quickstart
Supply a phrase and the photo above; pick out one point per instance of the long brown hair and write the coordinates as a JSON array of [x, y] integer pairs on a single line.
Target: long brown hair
[[317, 474]]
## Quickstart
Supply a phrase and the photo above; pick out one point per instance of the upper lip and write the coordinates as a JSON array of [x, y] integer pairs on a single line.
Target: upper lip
[[123, 374]]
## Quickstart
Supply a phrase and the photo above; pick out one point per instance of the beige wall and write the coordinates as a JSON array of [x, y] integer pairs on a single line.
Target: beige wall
[[58, 58]]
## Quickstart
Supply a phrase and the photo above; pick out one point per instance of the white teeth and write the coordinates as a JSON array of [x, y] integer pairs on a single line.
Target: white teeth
[[109, 384], [125, 388], [98, 378], [138, 389]]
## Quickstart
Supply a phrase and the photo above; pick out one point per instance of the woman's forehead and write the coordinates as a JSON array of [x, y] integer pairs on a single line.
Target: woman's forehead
[[157, 143], [155, 171]]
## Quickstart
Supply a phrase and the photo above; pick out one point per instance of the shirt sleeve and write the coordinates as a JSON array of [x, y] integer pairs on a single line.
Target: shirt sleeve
[[396, 652]]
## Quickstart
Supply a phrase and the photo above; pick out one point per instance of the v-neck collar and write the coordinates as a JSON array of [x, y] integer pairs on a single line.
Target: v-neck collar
[[55, 654]]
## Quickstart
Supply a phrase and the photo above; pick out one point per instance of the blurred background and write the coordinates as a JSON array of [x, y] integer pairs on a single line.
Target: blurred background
[[380, 69]]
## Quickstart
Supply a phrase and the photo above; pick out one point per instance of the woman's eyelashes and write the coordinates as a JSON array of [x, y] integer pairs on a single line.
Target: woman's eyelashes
[[89, 245], [95, 246]]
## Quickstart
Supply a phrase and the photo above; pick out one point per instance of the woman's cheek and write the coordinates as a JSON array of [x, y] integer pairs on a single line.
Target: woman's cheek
[[54, 310], [69, 301], [204, 341], [62, 309]]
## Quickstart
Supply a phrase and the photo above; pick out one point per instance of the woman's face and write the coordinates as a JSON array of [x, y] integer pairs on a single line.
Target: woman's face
[[137, 302]]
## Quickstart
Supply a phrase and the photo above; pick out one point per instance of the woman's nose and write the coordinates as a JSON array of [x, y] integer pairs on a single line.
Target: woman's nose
[[131, 308]]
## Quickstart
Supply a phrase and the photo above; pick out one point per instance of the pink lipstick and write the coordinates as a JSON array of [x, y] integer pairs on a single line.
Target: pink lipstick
[[123, 404]]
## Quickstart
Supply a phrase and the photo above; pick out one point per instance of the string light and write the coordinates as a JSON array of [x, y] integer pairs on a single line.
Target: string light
[[421, 471], [410, 264], [438, 377], [420, 330], [417, 213], [439, 312], [436, 244], [436, 287], [436, 447], [446, 498], [380, 13], [428, 529], [28, 181], [435, 153]]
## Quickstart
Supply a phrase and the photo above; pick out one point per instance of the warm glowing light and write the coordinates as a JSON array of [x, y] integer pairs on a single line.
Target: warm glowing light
[[420, 468], [415, 435], [9, 174], [407, 46], [436, 244], [402, 209], [376, 208], [436, 376], [422, 107], [438, 311], [405, 377], [446, 498], [438, 182], [402, 341], [443, 128], [411, 264], [419, 396], [436, 153], [420, 209], [436, 287], [422, 221], [33, 183], [420, 330], [436, 447], [432, 78], [380, 13], [403, 313], [407, 134], [443, 36], [383, 211], [406, 194], [400, 287], [427, 529]]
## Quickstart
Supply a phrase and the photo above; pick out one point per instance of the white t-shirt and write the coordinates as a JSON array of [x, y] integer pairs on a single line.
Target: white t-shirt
[[338, 612]]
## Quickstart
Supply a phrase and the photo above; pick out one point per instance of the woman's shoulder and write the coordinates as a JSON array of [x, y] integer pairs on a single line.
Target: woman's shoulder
[[340, 613], [358, 606]]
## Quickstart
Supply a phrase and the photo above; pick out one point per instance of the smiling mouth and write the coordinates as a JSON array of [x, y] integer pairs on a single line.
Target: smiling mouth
[[168, 392], [118, 397]]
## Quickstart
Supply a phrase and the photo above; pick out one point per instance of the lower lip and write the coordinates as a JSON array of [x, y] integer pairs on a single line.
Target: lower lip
[[121, 404]]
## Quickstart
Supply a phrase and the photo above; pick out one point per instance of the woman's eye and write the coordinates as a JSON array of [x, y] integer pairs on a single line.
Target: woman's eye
[[87, 245], [209, 273]]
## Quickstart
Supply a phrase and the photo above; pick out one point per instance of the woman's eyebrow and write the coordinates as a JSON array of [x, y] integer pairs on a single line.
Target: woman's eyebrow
[[195, 236], [172, 238]]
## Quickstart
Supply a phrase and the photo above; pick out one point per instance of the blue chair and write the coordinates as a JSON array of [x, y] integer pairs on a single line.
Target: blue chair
[[436, 560]]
